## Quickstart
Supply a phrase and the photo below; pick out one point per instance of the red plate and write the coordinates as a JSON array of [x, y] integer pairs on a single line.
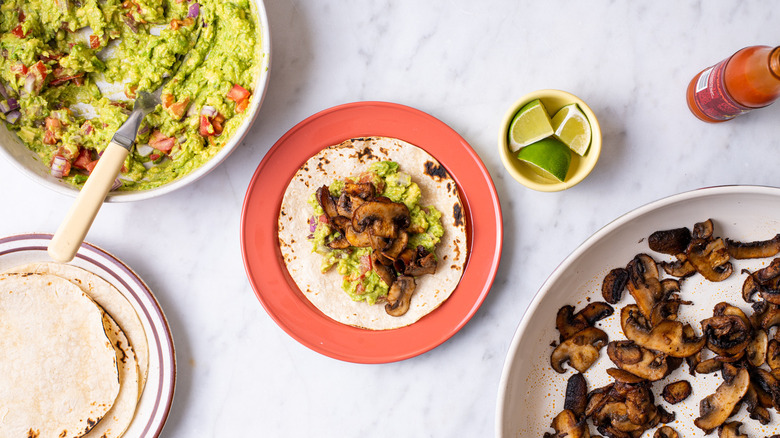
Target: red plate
[[277, 291]]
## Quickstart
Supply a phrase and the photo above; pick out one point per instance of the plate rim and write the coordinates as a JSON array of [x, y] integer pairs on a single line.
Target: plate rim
[[277, 153], [156, 421], [539, 294]]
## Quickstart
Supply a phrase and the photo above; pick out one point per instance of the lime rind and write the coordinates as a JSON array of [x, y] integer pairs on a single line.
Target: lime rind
[[531, 124], [549, 157], [571, 126]]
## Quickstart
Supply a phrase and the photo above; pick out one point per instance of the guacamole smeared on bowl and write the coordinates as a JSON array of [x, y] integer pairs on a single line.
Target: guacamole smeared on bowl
[[58, 55], [363, 266]]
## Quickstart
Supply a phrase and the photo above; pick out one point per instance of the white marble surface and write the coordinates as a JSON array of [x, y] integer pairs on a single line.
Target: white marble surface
[[464, 62]]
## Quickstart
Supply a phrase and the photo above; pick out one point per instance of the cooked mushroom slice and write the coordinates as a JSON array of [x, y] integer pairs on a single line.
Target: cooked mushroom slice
[[773, 354], [384, 219], [612, 420], [771, 272], [678, 268], [568, 323], [726, 309], [669, 286], [596, 311], [576, 395], [669, 337], [567, 425], [726, 335], [359, 240], [754, 407], [709, 366], [676, 392], [581, 350], [339, 242], [614, 284], [415, 262], [624, 376], [731, 430], [670, 242], [770, 317], [754, 250], [666, 309], [710, 259], [639, 404], [326, 202], [385, 273], [666, 432], [643, 283], [767, 386], [716, 408], [749, 288], [361, 190], [396, 246], [647, 364], [399, 296], [346, 205], [339, 222], [757, 349], [703, 230]]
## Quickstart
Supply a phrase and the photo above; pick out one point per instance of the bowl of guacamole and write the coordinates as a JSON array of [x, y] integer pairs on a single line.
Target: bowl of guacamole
[[71, 69]]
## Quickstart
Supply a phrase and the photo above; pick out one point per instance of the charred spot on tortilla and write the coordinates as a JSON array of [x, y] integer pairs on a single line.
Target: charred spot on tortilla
[[35, 433], [435, 170], [365, 154], [457, 214]]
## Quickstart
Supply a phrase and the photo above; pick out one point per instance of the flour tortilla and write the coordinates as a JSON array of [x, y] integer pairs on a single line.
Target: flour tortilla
[[110, 299], [58, 371], [121, 414], [349, 159]]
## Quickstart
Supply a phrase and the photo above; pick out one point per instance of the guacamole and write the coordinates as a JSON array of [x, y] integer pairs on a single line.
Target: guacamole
[[58, 56], [360, 279]]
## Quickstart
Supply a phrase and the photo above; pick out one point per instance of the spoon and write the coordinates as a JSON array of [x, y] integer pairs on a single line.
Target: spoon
[[71, 233]]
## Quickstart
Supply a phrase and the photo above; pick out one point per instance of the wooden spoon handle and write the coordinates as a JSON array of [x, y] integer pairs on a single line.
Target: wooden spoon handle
[[71, 233]]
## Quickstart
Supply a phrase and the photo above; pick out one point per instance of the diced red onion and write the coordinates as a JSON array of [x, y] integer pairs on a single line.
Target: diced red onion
[[208, 110], [3, 91], [13, 104], [29, 83], [143, 149], [58, 166], [13, 117], [5, 107], [312, 224], [117, 184], [130, 23], [144, 129], [194, 10]]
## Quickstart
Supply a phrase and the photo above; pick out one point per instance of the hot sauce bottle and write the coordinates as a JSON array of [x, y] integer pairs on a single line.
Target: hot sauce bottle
[[747, 80]]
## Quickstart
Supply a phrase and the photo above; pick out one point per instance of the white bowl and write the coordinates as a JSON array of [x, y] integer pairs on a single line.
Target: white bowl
[[531, 393], [28, 162]]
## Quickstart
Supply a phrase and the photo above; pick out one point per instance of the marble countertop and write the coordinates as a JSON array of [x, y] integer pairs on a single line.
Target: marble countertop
[[464, 62]]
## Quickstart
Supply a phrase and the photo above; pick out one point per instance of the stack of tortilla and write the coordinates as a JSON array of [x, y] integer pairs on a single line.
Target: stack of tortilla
[[74, 354]]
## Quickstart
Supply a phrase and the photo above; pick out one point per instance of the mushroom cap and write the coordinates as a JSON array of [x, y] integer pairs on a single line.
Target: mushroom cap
[[614, 284], [671, 242]]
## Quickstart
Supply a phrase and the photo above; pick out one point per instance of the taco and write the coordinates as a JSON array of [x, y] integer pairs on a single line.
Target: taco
[[373, 232]]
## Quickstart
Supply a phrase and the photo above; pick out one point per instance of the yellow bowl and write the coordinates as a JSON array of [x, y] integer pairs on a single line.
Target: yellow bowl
[[580, 167]]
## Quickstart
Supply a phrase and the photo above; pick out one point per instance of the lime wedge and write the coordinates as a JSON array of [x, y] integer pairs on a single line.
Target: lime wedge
[[548, 157], [531, 124], [572, 127]]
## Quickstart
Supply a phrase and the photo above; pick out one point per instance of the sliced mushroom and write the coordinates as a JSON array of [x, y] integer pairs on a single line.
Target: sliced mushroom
[[576, 395], [749, 288], [569, 323], [581, 350], [415, 262], [666, 432], [710, 259], [359, 240], [668, 337], [639, 404], [671, 242], [773, 354], [396, 246], [644, 283], [753, 250], [614, 284], [666, 309], [647, 364], [596, 311], [676, 392], [716, 408], [361, 190], [754, 407], [346, 205], [767, 386], [757, 349], [385, 219], [385, 273], [326, 202], [771, 272], [678, 268], [726, 335], [612, 419], [567, 425], [709, 366], [703, 230], [731, 430], [623, 376], [399, 296]]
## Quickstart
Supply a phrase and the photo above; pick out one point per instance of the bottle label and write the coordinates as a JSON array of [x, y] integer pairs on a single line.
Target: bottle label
[[711, 97]]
